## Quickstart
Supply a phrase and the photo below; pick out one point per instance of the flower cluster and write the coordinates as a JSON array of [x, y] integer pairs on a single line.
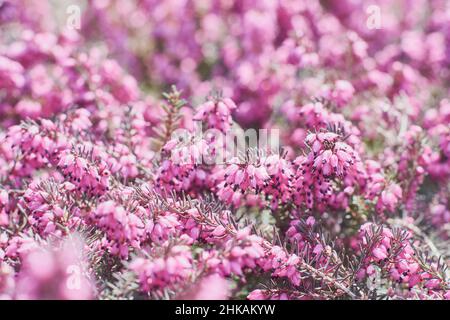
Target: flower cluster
[[122, 228], [225, 149], [216, 114], [174, 266]]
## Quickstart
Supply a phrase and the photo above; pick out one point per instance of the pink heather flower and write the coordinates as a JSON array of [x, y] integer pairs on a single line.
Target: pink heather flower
[[123, 229], [272, 295], [390, 197], [402, 264], [102, 198], [257, 295], [237, 179], [328, 155], [11, 74], [310, 221], [7, 281], [29, 109], [44, 203], [328, 159], [55, 273], [279, 185], [172, 175], [4, 201], [212, 287], [89, 176], [191, 152], [165, 271], [439, 214], [342, 93]]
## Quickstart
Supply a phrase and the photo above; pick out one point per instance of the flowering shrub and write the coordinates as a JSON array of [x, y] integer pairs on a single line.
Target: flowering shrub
[[225, 149]]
